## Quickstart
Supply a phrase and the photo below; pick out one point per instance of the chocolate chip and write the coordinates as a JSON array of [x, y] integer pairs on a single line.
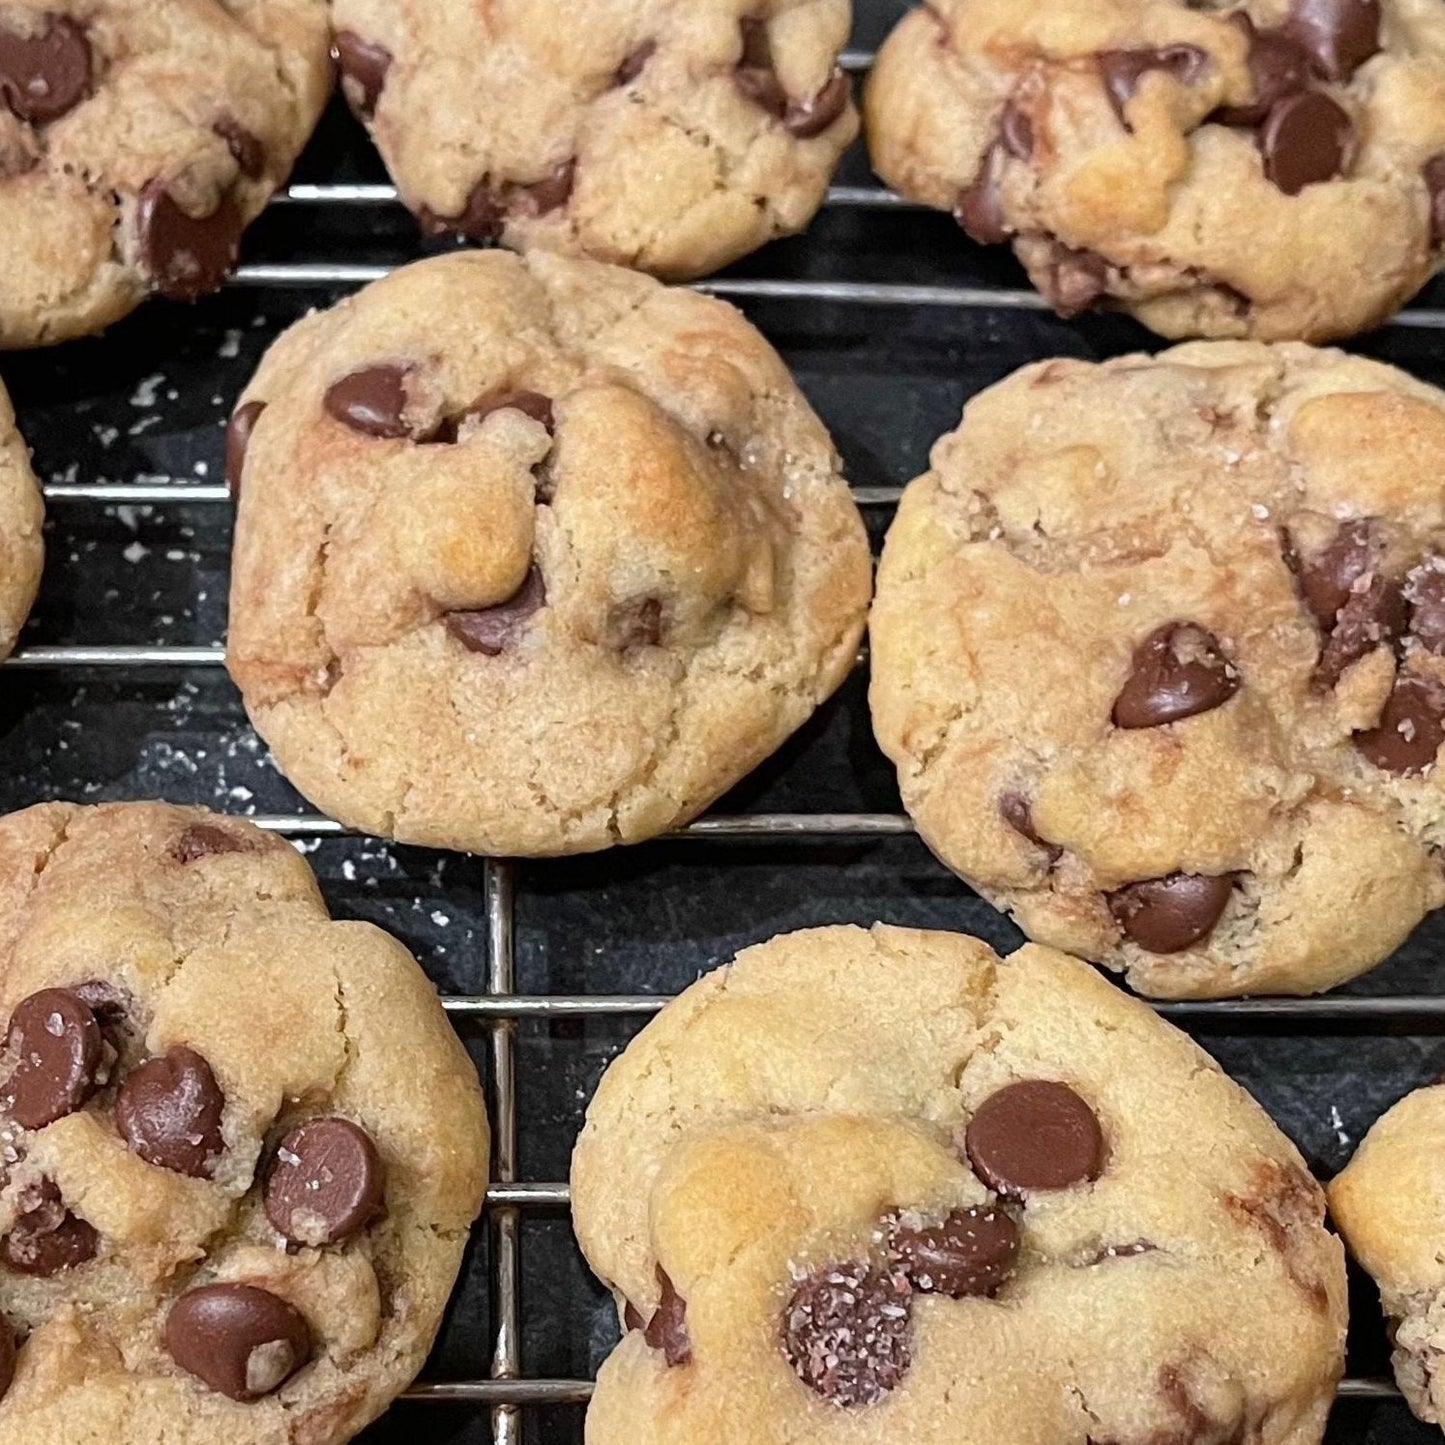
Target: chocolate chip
[[169, 1111], [529, 403], [1178, 671], [326, 1184], [1124, 69], [56, 1046], [241, 1341], [755, 76], [7, 1357], [757, 80], [1074, 280], [371, 401], [46, 73], [1306, 139], [1328, 580], [363, 71], [246, 148], [1410, 729], [631, 1319], [482, 219], [492, 630], [847, 1332], [1016, 131], [972, 1252], [1016, 811], [238, 439], [811, 118], [47, 1238], [635, 63], [1433, 174], [552, 193], [979, 208], [1373, 616], [1278, 67], [1425, 592], [1340, 35], [186, 257], [1037, 1134], [667, 1329], [1170, 914]]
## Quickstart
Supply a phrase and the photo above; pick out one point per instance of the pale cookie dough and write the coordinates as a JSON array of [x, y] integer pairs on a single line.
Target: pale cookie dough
[[533, 556], [1159, 652], [138, 138], [22, 514], [884, 1186], [240, 1147], [668, 135], [1389, 1204], [1272, 169]]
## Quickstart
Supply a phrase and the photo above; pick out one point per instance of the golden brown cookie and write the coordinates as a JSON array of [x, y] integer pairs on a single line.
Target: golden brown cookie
[[138, 138], [242, 1148], [1159, 652], [669, 135], [22, 514], [533, 556], [1389, 1204], [1273, 169], [886, 1186]]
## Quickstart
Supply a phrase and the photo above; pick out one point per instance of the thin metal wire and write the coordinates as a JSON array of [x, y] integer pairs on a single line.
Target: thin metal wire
[[135, 492], [578, 1392], [499, 890], [866, 198], [1424, 1011]]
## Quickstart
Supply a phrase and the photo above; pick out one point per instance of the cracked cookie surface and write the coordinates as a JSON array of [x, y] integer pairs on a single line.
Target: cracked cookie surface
[[672, 136], [138, 138], [22, 515], [1389, 1204], [1273, 169], [533, 556], [1159, 653], [881, 1186], [242, 1148]]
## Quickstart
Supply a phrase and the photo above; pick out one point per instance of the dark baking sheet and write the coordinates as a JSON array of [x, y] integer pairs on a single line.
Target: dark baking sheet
[[147, 403]]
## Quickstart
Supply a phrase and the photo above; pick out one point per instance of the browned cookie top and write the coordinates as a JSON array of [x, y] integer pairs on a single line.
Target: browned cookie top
[[669, 135], [1265, 168], [240, 1147], [1159, 652], [881, 1187], [137, 139], [533, 556]]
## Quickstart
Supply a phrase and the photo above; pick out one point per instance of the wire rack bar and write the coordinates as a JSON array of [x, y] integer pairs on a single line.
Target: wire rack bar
[[160, 655], [190, 492], [1423, 1012], [867, 198], [578, 1392], [856, 293], [499, 890]]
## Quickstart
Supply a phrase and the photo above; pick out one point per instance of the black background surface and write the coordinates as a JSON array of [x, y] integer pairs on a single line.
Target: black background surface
[[148, 402]]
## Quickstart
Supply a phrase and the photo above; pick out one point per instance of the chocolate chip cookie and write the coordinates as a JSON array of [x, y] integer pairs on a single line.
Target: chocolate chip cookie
[[533, 556], [1389, 1204], [137, 139], [240, 1147], [671, 137], [1159, 652], [1270, 169], [886, 1186], [22, 513]]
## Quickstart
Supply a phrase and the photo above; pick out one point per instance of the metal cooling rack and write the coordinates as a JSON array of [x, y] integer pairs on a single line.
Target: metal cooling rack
[[507, 1390]]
